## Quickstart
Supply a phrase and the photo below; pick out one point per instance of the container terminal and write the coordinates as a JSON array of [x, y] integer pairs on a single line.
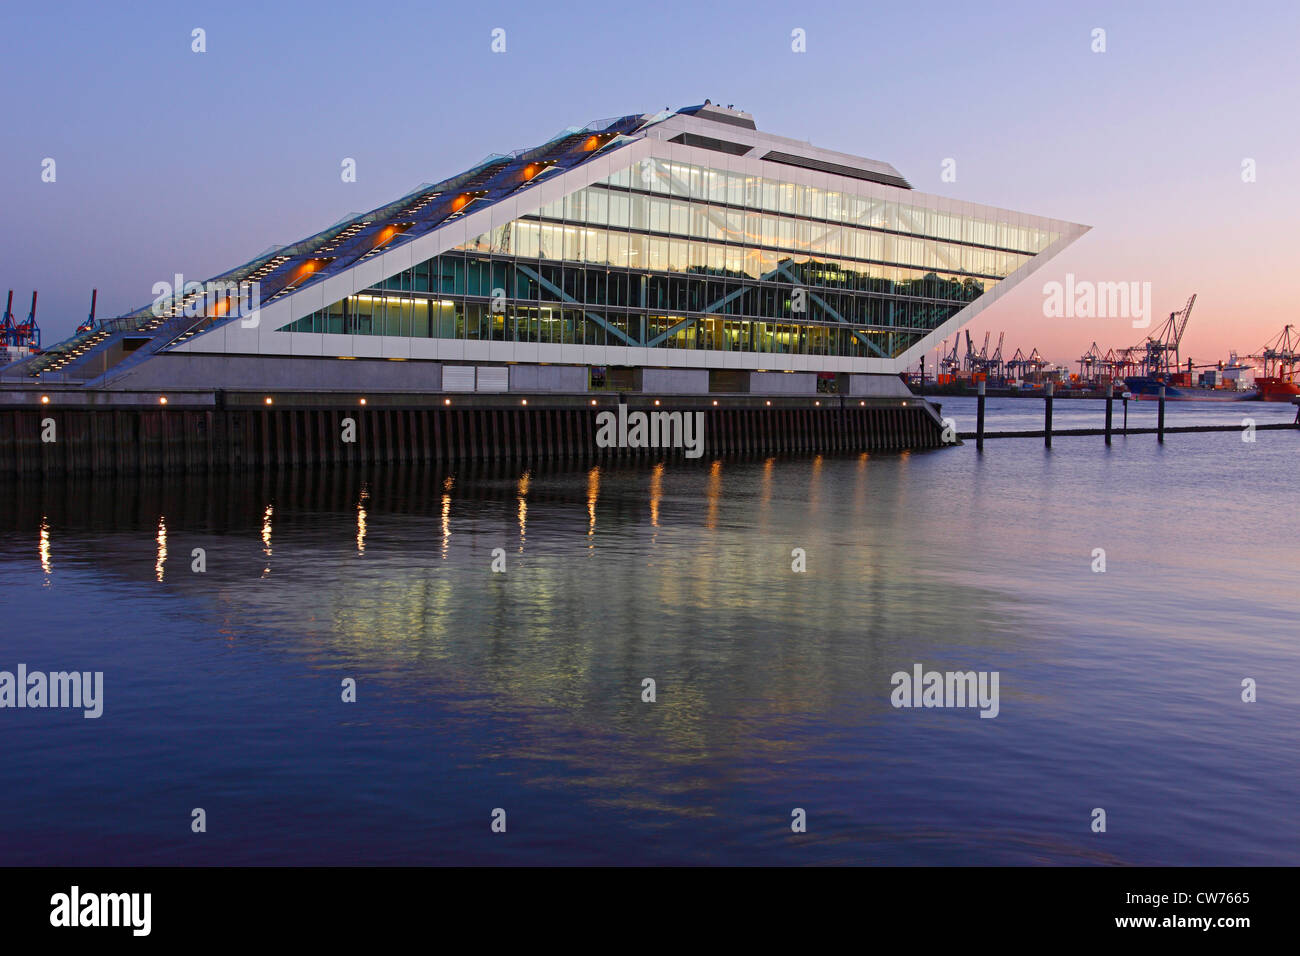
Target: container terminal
[[1141, 369]]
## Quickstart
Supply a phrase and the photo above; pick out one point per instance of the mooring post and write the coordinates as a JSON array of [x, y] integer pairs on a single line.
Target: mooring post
[[1048, 389], [1160, 421], [1110, 395], [979, 417], [1126, 396]]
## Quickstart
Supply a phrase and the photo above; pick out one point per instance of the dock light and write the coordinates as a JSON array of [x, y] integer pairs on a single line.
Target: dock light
[[862, 403], [162, 399], [769, 402], [593, 401], [363, 401], [268, 400], [523, 401], [45, 399], [446, 401], [715, 401], [656, 401], [905, 403], [817, 402]]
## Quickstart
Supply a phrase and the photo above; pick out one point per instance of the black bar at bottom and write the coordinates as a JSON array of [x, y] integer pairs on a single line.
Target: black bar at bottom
[[333, 905]]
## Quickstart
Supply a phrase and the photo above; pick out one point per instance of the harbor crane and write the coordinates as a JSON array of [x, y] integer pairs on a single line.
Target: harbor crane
[[1113, 363], [975, 361], [1280, 354], [995, 363], [1281, 358], [1026, 365], [8, 331], [1091, 362], [1158, 355], [89, 324], [950, 362], [25, 334], [989, 365]]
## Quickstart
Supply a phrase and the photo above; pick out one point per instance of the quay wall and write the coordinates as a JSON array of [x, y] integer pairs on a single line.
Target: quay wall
[[120, 432]]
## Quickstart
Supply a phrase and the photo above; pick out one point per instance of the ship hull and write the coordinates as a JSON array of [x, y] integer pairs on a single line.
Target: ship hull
[[1277, 389], [1149, 388]]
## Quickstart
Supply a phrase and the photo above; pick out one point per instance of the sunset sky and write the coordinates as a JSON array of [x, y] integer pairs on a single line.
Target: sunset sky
[[173, 161]]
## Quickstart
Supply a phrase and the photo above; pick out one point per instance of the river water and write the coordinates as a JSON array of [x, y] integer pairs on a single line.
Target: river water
[[522, 690]]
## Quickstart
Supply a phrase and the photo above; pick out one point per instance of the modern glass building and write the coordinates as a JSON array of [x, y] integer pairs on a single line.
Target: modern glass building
[[675, 244]]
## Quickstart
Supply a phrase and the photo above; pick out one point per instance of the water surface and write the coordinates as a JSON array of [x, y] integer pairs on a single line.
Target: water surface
[[522, 690]]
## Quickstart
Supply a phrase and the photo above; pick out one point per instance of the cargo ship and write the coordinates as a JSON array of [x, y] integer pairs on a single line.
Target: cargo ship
[[1148, 387], [1274, 389], [1281, 358]]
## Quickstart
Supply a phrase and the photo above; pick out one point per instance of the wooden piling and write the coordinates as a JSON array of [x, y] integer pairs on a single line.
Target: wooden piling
[[1048, 390], [1110, 395], [1160, 423]]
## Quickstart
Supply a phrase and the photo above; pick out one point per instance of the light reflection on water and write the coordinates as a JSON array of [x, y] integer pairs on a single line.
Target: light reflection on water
[[523, 690]]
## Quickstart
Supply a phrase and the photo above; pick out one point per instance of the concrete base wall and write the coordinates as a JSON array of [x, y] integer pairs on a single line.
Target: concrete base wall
[[675, 381], [782, 383], [179, 370], [548, 378], [196, 371], [878, 386]]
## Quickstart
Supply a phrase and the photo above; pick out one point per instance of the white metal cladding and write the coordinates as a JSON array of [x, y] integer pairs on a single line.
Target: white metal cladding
[[493, 378], [458, 378], [264, 337]]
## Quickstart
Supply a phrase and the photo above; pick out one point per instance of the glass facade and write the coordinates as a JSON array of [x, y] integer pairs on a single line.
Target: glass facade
[[673, 255]]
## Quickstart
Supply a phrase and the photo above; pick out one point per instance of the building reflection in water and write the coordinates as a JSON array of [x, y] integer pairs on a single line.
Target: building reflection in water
[[361, 519], [656, 495], [44, 548], [446, 514], [713, 494], [266, 538], [815, 485], [522, 492], [161, 559], [765, 494], [593, 492], [723, 626]]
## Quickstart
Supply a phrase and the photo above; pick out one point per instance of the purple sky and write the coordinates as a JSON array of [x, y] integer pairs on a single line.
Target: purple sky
[[173, 161]]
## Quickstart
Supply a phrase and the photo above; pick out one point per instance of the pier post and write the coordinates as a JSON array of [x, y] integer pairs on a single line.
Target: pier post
[[1160, 420], [1048, 389], [979, 417], [1126, 396], [1110, 395]]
